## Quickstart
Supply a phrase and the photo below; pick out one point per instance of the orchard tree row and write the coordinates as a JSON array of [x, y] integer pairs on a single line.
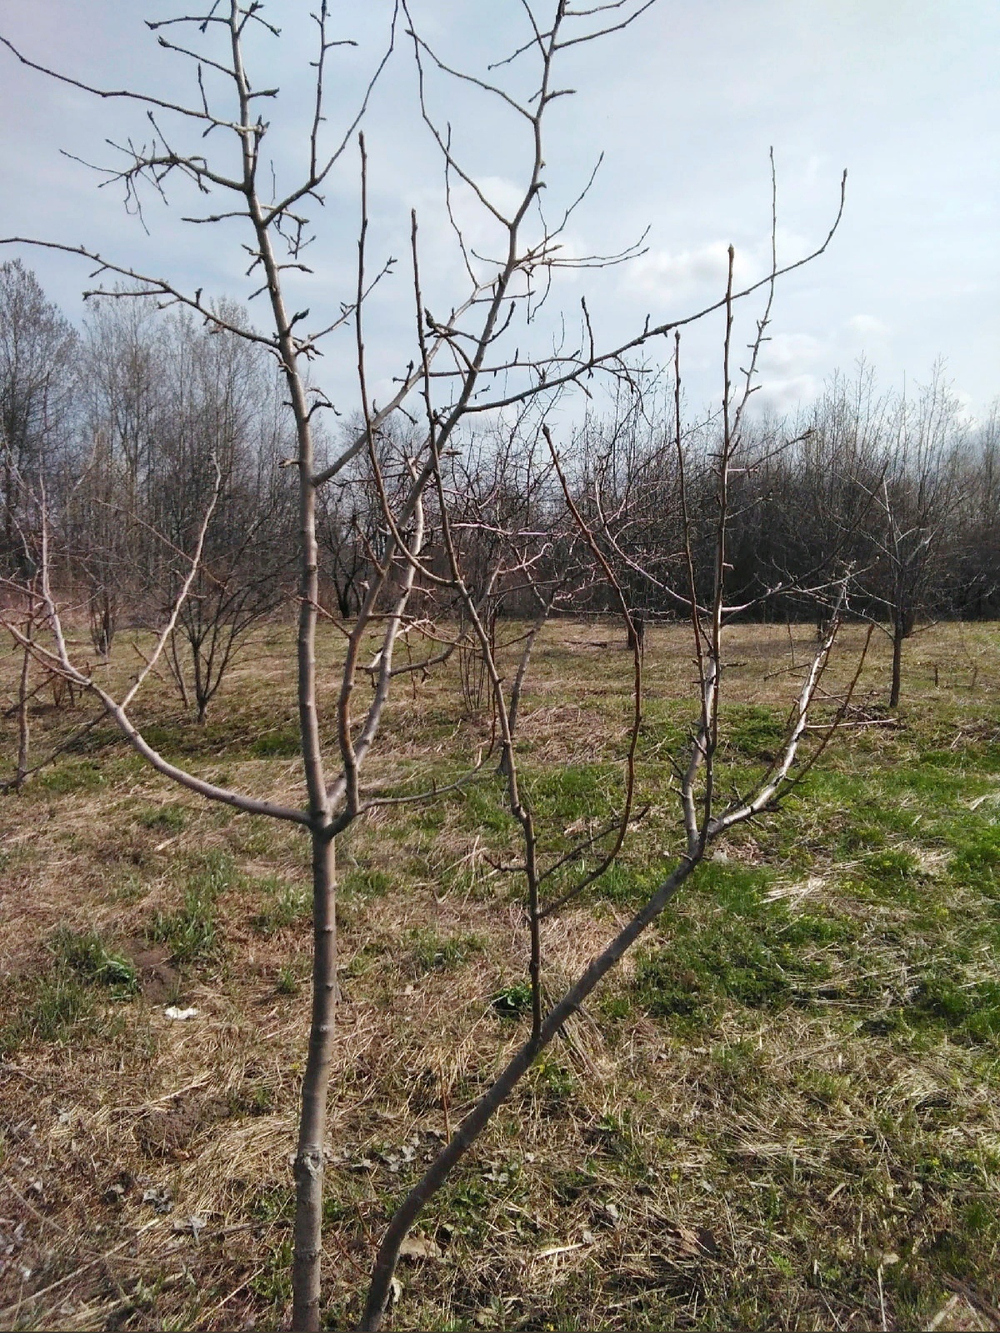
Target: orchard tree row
[[125, 434]]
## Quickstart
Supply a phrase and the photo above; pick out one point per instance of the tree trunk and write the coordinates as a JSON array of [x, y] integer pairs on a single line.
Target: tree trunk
[[309, 1157], [23, 719], [898, 636]]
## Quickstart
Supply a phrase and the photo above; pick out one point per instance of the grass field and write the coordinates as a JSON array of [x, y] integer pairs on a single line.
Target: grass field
[[780, 1113]]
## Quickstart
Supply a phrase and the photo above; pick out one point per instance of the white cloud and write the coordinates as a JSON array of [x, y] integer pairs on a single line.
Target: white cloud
[[785, 395], [791, 246], [664, 275], [792, 366], [862, 327], [789, 354]]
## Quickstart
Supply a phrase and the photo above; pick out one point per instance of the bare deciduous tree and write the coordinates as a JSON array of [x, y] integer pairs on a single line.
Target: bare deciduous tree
[[36, 368], [706, 812], [875, 487], [223, 407], [469, 361], [912, 509], [974, 545]]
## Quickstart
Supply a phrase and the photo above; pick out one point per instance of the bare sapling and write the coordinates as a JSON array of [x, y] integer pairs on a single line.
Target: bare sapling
[[24, 692], [705, 811], [25, 617], [912, 504], [474, 358]]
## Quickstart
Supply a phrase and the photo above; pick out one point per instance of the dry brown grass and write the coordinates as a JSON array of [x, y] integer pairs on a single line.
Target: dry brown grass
[[810, 1159]]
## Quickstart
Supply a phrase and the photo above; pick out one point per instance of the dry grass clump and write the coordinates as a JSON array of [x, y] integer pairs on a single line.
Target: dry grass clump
[[780, 1113]]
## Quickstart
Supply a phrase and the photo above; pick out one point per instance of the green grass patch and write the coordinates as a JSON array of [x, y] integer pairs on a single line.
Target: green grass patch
[[191, 932], [287, 983], [271, 1203], [286, 905], [279, 743], [483, 808], [565, 793], [72, 776], [976, 860], [664, 730], [86, 956], [430, 952], [730, 944], [164, 818], [752, 730], [966, 1010], [624, 885], [366, 882], [273, 1283], [47, 1011], [892, 875], [512, 1001], [228, 733], [892, 866], [84, 971]]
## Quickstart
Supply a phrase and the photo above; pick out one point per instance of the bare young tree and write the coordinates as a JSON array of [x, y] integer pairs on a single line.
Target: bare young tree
[[107, 514], [873, 486], [912, 508], [37, 347], [28, 627], [628, 491], [223, 407], [346, 528], [468, 361], [705, 810], [974, 547]]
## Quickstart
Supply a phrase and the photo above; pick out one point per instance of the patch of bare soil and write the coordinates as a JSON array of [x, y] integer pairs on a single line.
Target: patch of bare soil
[[167, 1131], [158, 979]]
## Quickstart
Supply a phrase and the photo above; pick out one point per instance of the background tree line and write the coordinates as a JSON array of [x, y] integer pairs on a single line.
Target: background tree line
[[143, 423]]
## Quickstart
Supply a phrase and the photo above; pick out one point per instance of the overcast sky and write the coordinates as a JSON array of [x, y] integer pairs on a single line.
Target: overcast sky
[[684, 105]]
